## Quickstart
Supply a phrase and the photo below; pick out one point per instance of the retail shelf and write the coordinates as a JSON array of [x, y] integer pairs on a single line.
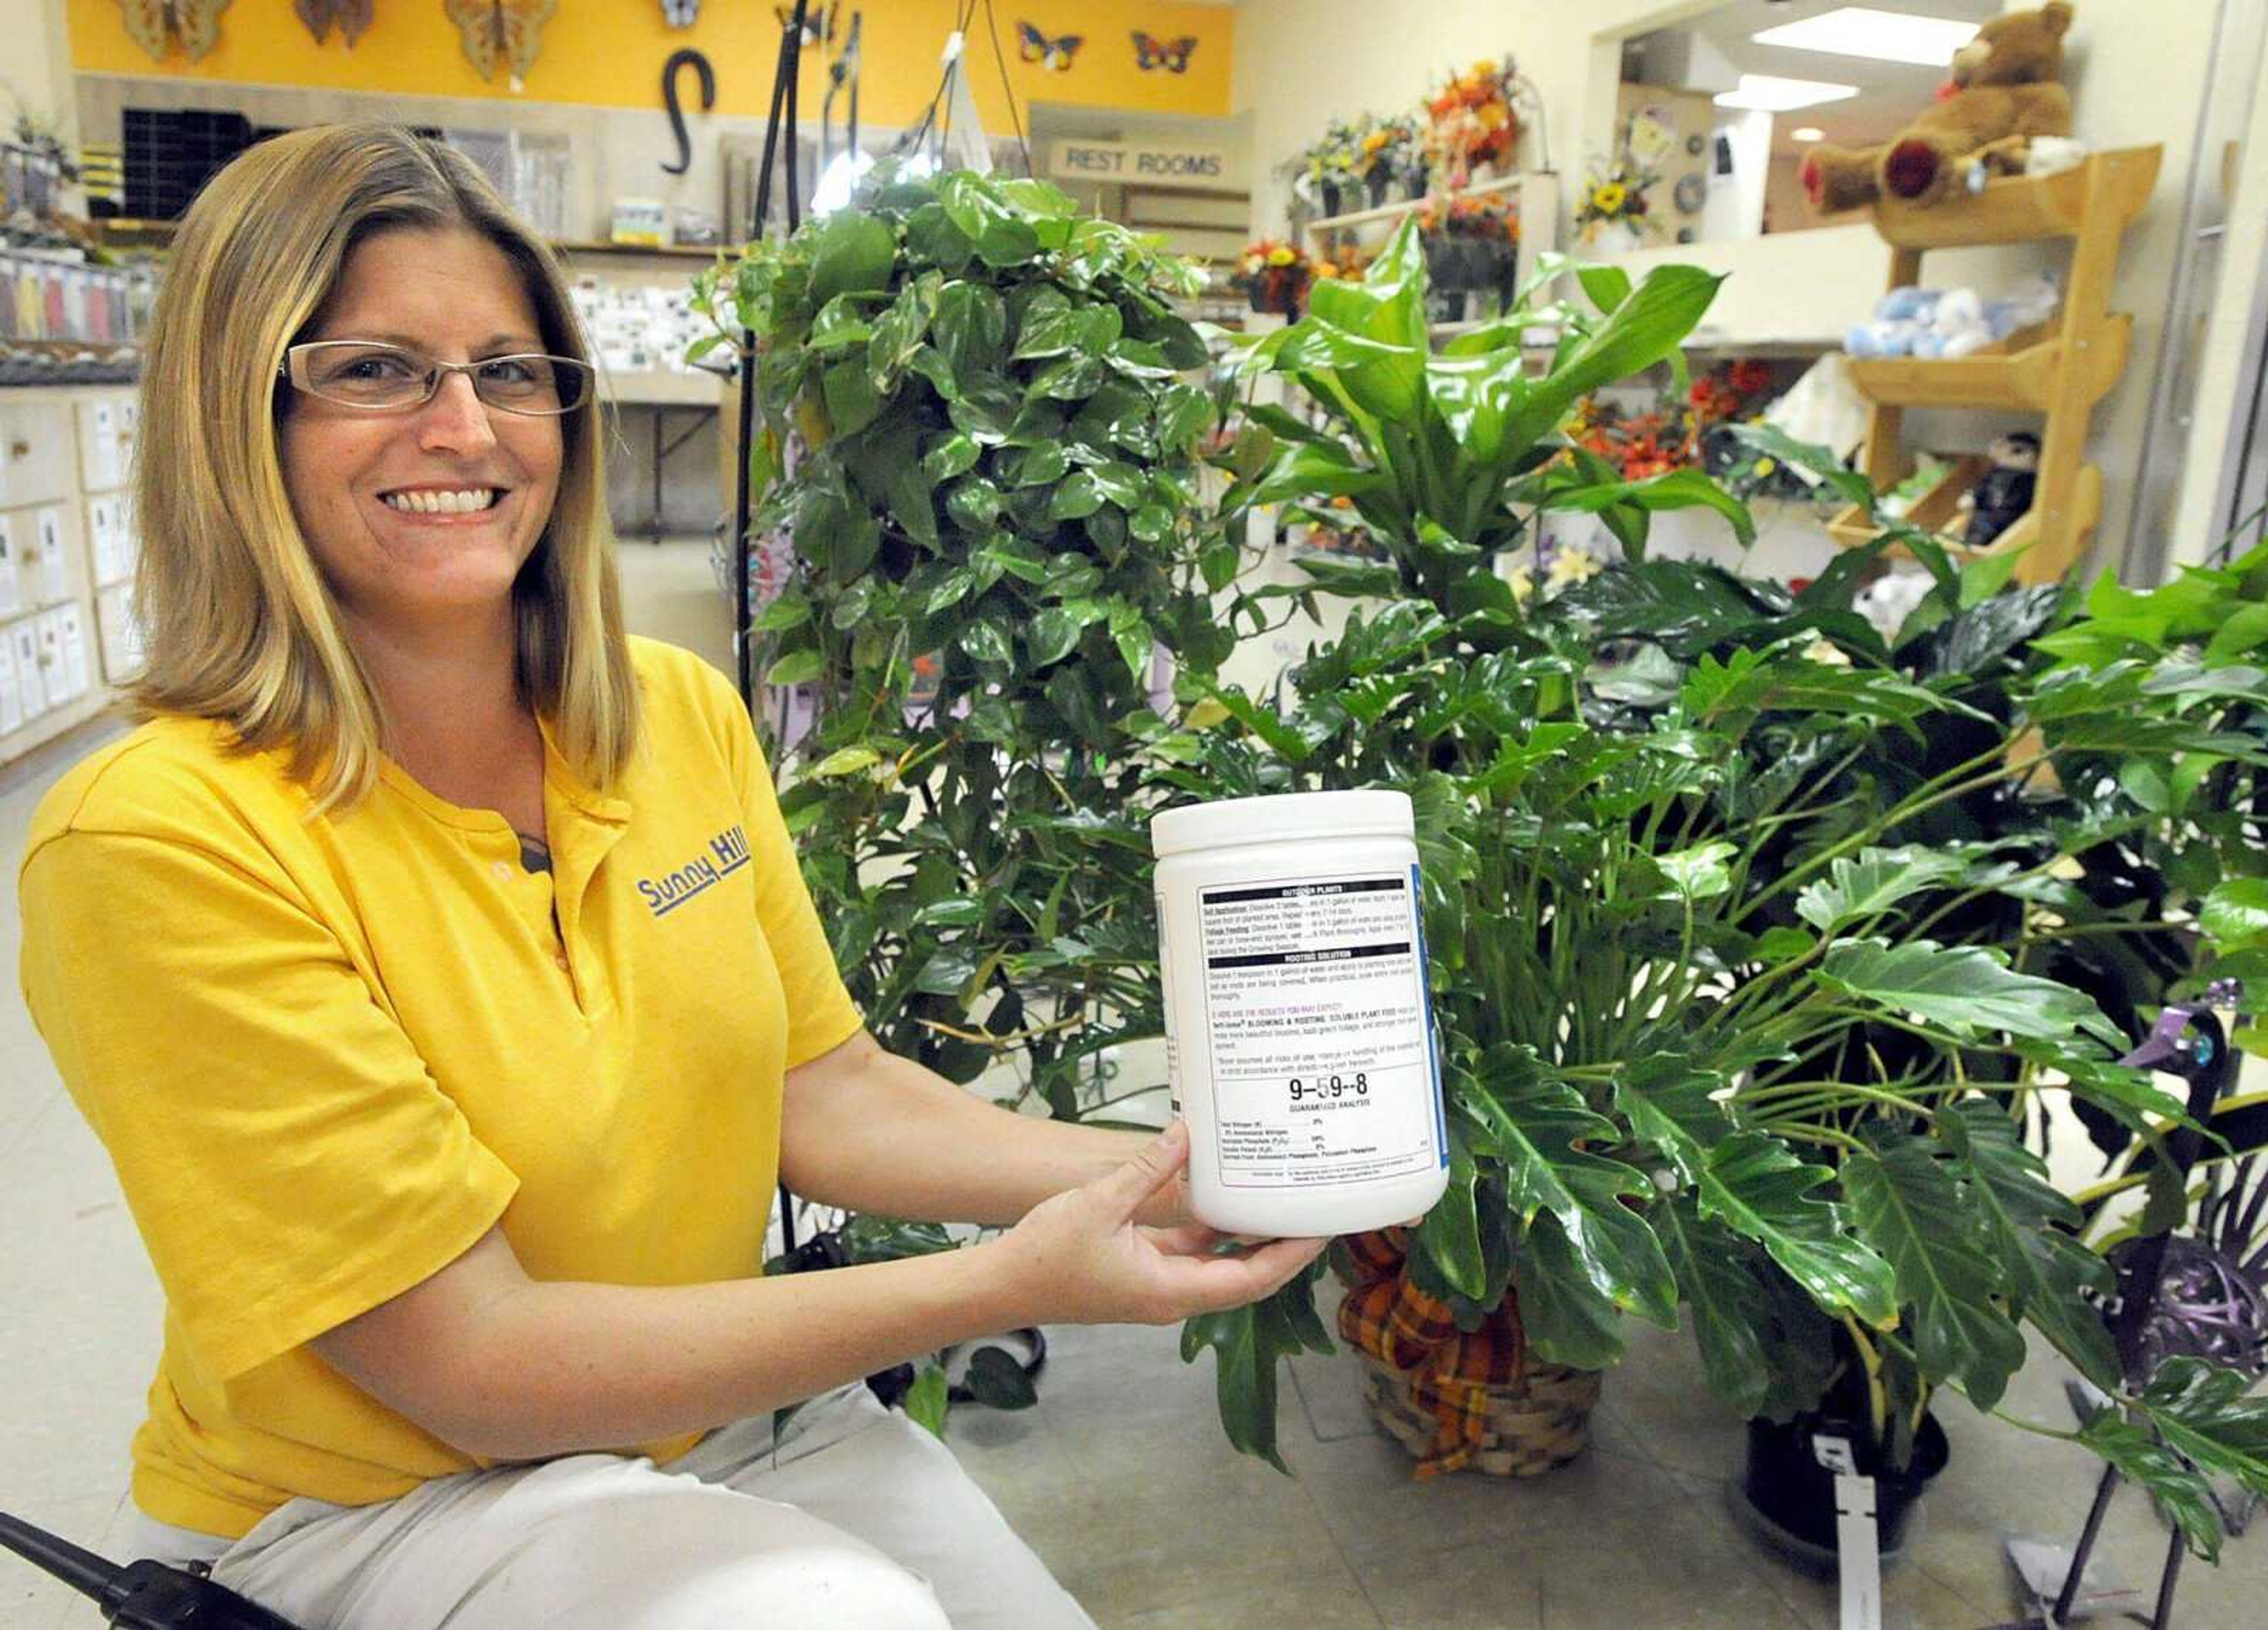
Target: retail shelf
[[2021, 209], [121, 230], [1402, 207], [2030, 378]]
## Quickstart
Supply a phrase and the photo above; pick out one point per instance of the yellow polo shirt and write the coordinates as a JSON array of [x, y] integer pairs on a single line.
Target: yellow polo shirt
[[326, 1054]]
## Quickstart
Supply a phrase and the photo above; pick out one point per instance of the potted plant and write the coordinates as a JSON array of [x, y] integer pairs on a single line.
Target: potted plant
[[999, 477], [1630, 1041]]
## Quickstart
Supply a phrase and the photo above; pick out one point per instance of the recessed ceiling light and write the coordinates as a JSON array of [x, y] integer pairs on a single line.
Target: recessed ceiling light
[[1769, 93], [1807, 133], [1886, 36]]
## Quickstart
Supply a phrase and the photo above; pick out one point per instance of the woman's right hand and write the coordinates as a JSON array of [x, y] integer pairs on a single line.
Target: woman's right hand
[[1080, 1259]]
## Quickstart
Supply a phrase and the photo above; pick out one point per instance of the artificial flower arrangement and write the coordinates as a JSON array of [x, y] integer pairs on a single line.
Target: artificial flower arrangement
[[1392, 150], [1472, 122], [1332, 168], [1614, 196], [1274, 277]]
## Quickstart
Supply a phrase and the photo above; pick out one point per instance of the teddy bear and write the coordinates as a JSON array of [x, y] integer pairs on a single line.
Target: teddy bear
[[2004, 91]]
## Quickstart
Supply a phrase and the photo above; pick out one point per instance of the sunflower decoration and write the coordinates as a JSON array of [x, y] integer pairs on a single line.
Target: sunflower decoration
[[1615, 194]]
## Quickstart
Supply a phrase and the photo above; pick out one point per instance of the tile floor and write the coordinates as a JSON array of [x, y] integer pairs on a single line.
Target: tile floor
[[1119, 1477]]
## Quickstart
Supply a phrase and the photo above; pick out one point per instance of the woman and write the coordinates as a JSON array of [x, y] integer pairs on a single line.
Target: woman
[[435, 967]]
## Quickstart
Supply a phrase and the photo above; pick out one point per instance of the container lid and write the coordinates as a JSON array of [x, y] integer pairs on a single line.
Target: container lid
[[1284, 818]]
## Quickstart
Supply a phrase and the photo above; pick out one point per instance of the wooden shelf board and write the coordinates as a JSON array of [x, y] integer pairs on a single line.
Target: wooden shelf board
[[1851, 528], [2021, 210], [2023, 379]]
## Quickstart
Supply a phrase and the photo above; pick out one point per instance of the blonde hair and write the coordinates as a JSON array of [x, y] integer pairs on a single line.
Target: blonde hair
[[240, 626]]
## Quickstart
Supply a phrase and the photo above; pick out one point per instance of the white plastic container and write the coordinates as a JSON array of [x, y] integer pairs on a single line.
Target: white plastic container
[[1298, 1034]]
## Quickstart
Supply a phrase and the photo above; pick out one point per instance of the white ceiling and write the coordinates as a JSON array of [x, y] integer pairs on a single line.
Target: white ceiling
[[1889, 93]]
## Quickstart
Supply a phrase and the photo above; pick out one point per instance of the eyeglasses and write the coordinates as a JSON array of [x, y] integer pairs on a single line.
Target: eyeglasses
[[386, 378]]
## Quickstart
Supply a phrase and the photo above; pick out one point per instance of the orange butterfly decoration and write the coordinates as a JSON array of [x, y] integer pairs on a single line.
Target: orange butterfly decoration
[[352, 16], [155, 25], [501, 32], [1171, 54]]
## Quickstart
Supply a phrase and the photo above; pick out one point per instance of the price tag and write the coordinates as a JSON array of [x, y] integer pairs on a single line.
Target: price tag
[[1857, 1546]]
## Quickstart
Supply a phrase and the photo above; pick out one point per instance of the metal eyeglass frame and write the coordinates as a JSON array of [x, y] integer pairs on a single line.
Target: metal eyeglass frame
[[293, 369]]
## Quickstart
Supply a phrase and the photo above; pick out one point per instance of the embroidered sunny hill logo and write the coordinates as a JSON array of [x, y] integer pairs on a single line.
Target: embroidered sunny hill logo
[[728, 853]]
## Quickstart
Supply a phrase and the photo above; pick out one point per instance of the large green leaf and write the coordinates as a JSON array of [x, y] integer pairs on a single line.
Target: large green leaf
[[1756, 1186], [1670, 1104], [1681, 489], [1863, 885], [2200, 1421], [1248, 1344], [1644, 329], [1533, 1126], [851, 252], [2028, 1223], [1726, 1304], [1970, 990], [1451, 1233], [1389, 303], [2235, 915], [1907, 1205], [1563, 1316]]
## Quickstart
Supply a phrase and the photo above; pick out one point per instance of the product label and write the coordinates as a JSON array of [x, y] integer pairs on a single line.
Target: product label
[[1319, 1032]]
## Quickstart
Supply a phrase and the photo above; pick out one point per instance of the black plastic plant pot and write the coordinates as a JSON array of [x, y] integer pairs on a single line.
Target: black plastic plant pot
[[1375, 184], [1789, 1498]]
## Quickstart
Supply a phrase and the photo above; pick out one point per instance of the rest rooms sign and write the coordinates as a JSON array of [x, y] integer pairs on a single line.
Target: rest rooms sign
[[1144, 164]]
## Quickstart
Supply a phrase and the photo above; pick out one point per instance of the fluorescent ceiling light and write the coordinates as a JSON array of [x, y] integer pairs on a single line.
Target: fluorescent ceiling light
[[1768, 94], [1807, 133], [1886, 36]]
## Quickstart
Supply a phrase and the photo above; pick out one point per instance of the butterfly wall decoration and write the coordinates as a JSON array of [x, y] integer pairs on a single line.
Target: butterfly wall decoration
[[154, 24], [1054, 55], [501, 32], [1172, 55], [353, 18], [681, 13]]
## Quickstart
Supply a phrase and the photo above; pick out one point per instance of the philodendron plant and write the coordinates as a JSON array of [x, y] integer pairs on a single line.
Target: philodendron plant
[[1653, 929]]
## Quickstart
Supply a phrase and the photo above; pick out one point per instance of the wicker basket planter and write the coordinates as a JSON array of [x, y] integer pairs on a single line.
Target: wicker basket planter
[[1540, 1422], [1456, 1399]]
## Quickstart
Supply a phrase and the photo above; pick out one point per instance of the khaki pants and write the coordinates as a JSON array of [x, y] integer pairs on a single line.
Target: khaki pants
[[856, 1519]]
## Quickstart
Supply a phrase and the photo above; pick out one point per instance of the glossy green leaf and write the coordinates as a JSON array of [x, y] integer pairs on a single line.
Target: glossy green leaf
[[1250, 1345], [1079, 494], [927, 1401], [1908, 1207], [852, 401], [795, 668], [970, 328], [952, 454], [2236, 915], [1970, 990], [1861, 887], [1756, 1186], [1537, 1126], [850, 252], [2027, 1222], [987, 642], [1725, 1305]]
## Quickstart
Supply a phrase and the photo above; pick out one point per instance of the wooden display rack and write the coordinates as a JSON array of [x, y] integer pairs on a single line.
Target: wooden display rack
[[2059, 370]]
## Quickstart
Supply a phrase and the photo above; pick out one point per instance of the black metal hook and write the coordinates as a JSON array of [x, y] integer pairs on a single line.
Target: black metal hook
[[677, 60]]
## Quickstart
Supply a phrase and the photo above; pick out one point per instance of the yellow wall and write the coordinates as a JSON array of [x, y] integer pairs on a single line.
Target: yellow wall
[[610, 53]]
